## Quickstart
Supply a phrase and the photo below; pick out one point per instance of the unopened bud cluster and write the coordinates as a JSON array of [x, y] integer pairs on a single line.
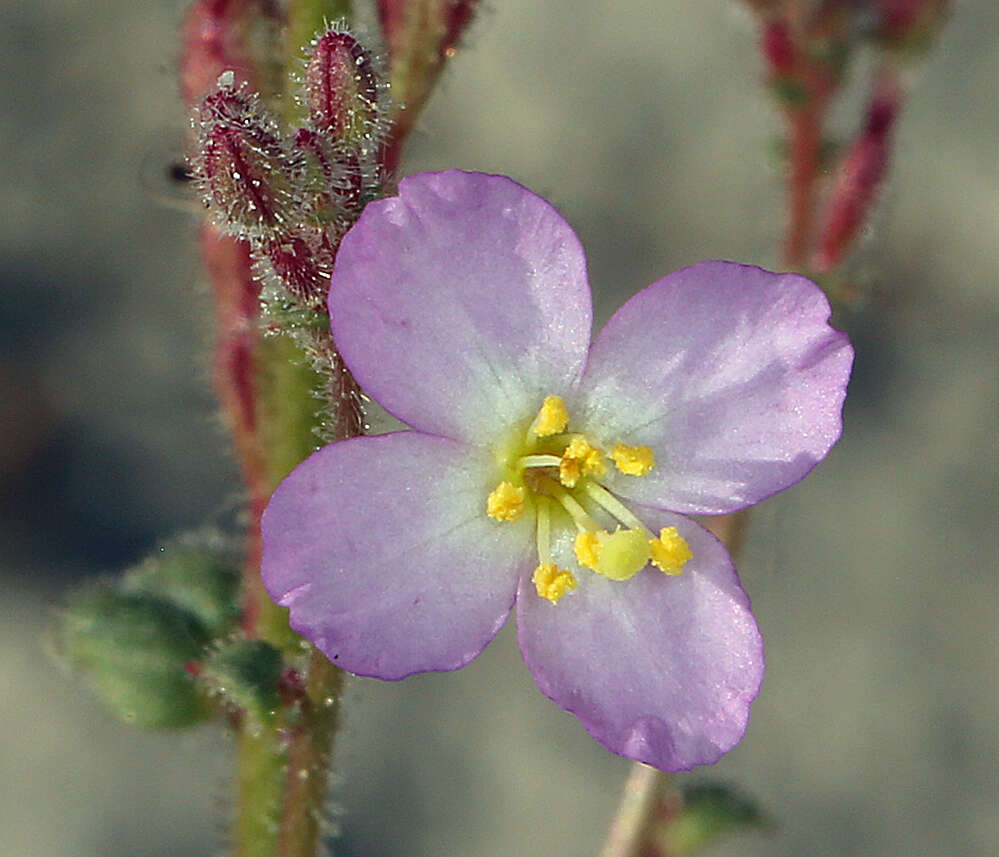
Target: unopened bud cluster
[[161, 647], [808, 51], [293, 194]]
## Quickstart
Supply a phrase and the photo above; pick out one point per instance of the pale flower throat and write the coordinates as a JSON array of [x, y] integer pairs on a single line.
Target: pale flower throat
[[553, 465]]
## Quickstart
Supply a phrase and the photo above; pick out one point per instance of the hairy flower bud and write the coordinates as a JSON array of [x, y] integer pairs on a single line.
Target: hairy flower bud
[[247, 173], [302, 261], [133, 649], [343, 89], [246, 673], [339, 180], [201, 580]]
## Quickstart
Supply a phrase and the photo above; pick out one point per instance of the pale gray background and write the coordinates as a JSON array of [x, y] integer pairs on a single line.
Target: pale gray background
[[874, 581]]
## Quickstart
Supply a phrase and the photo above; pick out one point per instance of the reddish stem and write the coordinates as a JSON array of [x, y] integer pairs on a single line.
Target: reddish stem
[[236, 306], [805, 141]]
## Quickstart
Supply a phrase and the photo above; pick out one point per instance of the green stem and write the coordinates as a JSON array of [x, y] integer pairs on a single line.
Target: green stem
[[642, 800], [643, 794], [284, 762], [284, 769]]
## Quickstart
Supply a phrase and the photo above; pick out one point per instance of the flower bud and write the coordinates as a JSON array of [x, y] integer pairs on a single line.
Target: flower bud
[[248, 176], [339, 180], [303, 262], [212, 44], [421, 36], [247, 674], [778, 47], [199, 580], [343, 90], [858, 179], [910, 24], [428, 27], [133, 649]]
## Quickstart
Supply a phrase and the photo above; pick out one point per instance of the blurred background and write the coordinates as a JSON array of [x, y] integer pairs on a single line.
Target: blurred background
[[874, 581]]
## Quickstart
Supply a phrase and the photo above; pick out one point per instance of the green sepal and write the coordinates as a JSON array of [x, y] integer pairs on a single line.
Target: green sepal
[[133, 649], [710, 812], [246, 673], [202, 581]]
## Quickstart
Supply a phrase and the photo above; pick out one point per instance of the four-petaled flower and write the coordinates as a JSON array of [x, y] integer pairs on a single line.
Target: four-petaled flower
[[547, 471]]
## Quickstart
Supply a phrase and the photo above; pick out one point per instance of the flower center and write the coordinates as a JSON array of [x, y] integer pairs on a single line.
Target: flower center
[[558, 468]]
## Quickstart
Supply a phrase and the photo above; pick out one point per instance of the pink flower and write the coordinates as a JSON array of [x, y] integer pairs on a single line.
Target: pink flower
[[553, 473]]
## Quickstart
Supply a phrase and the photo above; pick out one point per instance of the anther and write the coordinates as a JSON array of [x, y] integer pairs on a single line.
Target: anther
[[633, 460], [506, 502], [552, 418], [552, 582], [670, 552], [580, 458]]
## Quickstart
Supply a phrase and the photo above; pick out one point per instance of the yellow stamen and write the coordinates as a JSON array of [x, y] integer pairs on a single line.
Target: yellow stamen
[[587, 547], [569, 472], [580, 458], [619, 555], [553, 582], [552, 418], [670, 552], [539, 461], [610, 503], [580, 517], [633, 460], [506, 502]]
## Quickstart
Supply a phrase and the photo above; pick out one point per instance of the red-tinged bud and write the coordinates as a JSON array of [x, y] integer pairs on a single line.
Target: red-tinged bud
[[248, 176], [421, 35], [340, 180], [343, 90], [222, 35], [458, 16], [436, 24], [778, 47], [859, 179], [211, 45], [303, 263], [321, 185], [910, 24]]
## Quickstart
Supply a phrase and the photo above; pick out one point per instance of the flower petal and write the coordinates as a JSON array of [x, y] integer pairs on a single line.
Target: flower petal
[[731, 374], [461, 303], [659, 669], [381, 548]]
